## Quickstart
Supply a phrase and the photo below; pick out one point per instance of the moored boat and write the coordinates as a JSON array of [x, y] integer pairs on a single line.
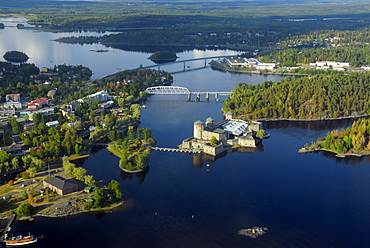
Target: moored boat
[[253, 232], [20, 240]]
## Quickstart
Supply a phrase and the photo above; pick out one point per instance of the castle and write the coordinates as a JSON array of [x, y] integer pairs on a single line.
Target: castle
[[228, 133]]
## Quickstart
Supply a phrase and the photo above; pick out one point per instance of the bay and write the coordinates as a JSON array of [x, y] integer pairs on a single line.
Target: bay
[[310, 200]]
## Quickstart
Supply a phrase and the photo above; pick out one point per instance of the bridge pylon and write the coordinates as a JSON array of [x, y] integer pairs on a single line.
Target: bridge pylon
[[189, 97]]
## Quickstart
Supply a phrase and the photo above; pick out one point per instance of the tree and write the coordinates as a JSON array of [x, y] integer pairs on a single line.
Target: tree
[[89, 180], [24, 195], [147, 134], [213, 141], [79, 173], [115, 188], [98, 197], [25, 175], [15, 125], [68, 167], [7, 138], [4, 156], [25, 209], [32, 171], [260, 134], [130, 133]]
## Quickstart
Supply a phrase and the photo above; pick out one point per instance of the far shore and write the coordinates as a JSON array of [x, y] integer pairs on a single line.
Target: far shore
[[316, 119], [258, 72]]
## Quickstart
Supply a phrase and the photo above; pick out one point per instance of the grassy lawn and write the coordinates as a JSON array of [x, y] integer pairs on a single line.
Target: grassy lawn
[[75, 156]]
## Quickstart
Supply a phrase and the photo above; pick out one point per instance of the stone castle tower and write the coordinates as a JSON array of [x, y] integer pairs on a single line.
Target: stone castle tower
[[198, 129], [229, 115], [210, 122]]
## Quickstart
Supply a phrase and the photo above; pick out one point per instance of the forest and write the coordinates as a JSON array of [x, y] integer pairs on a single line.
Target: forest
[[354, 139], [324, 45], [320, 96]]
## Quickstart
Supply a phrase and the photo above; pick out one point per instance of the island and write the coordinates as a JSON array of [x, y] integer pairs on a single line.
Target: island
[[215, 138], [352, 141], [163, 57], [16, 57], [134, 150]]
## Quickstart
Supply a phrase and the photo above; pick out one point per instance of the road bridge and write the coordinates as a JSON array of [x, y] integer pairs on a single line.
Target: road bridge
[[187, 60], [178, 90]]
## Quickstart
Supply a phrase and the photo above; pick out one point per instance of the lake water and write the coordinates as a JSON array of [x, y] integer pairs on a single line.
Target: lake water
[[310, 200]]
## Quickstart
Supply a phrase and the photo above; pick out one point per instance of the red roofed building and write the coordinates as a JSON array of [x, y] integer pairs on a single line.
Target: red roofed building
[[39, 103]]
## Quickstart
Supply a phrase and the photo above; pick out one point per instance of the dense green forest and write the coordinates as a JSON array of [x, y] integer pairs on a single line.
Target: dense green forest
[[332, 45], [355, 139], [316, 97]]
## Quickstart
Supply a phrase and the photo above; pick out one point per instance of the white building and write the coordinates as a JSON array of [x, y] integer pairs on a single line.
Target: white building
[[98, 96]]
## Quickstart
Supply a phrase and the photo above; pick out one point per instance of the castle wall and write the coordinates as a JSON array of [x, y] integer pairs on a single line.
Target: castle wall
[[213, 150], [255, 126], [247, 141], [207, 135]]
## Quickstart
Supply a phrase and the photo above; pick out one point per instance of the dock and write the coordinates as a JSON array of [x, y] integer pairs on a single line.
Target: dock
[[7, 228]]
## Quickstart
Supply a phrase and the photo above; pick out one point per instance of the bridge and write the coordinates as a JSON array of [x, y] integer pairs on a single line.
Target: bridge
[[188, 60], [164, 149], [178, 90]]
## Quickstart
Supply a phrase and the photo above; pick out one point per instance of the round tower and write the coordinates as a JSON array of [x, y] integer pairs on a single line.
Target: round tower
[[209, 122], [198, 129], [229, 115]]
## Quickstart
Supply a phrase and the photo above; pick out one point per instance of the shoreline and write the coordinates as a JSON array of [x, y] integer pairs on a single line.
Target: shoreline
[[257, 72], [316, 119], [339, 155]]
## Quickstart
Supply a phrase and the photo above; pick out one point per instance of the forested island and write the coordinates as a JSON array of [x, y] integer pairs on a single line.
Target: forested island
[[352, 141], [134, 150], [163, 57], [15, 56]]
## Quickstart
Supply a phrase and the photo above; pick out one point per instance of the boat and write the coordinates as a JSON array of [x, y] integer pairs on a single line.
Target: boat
[[253, 232], [21, 240]]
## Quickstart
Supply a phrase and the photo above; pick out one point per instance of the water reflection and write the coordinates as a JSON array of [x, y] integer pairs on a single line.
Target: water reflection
[[199, 159], [310, 125], [139, 175]]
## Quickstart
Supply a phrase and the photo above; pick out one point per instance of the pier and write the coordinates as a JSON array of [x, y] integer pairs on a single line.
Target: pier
[[7, 228], [164, 149], [178, 90]]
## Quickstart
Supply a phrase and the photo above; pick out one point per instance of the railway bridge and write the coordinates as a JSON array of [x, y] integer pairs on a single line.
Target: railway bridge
[[178, 90]]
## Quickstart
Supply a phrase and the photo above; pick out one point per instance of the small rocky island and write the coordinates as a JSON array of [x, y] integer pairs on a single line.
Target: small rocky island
[[214, 138], [163, 57]]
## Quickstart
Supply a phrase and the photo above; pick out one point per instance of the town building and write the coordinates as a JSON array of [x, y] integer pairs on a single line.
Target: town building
[[52, 123], [39, 103], [228, 133], [102, 96], [12, 105], [105, 105], [61, 185], [13, 97], [45, 112], [249, 63]]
